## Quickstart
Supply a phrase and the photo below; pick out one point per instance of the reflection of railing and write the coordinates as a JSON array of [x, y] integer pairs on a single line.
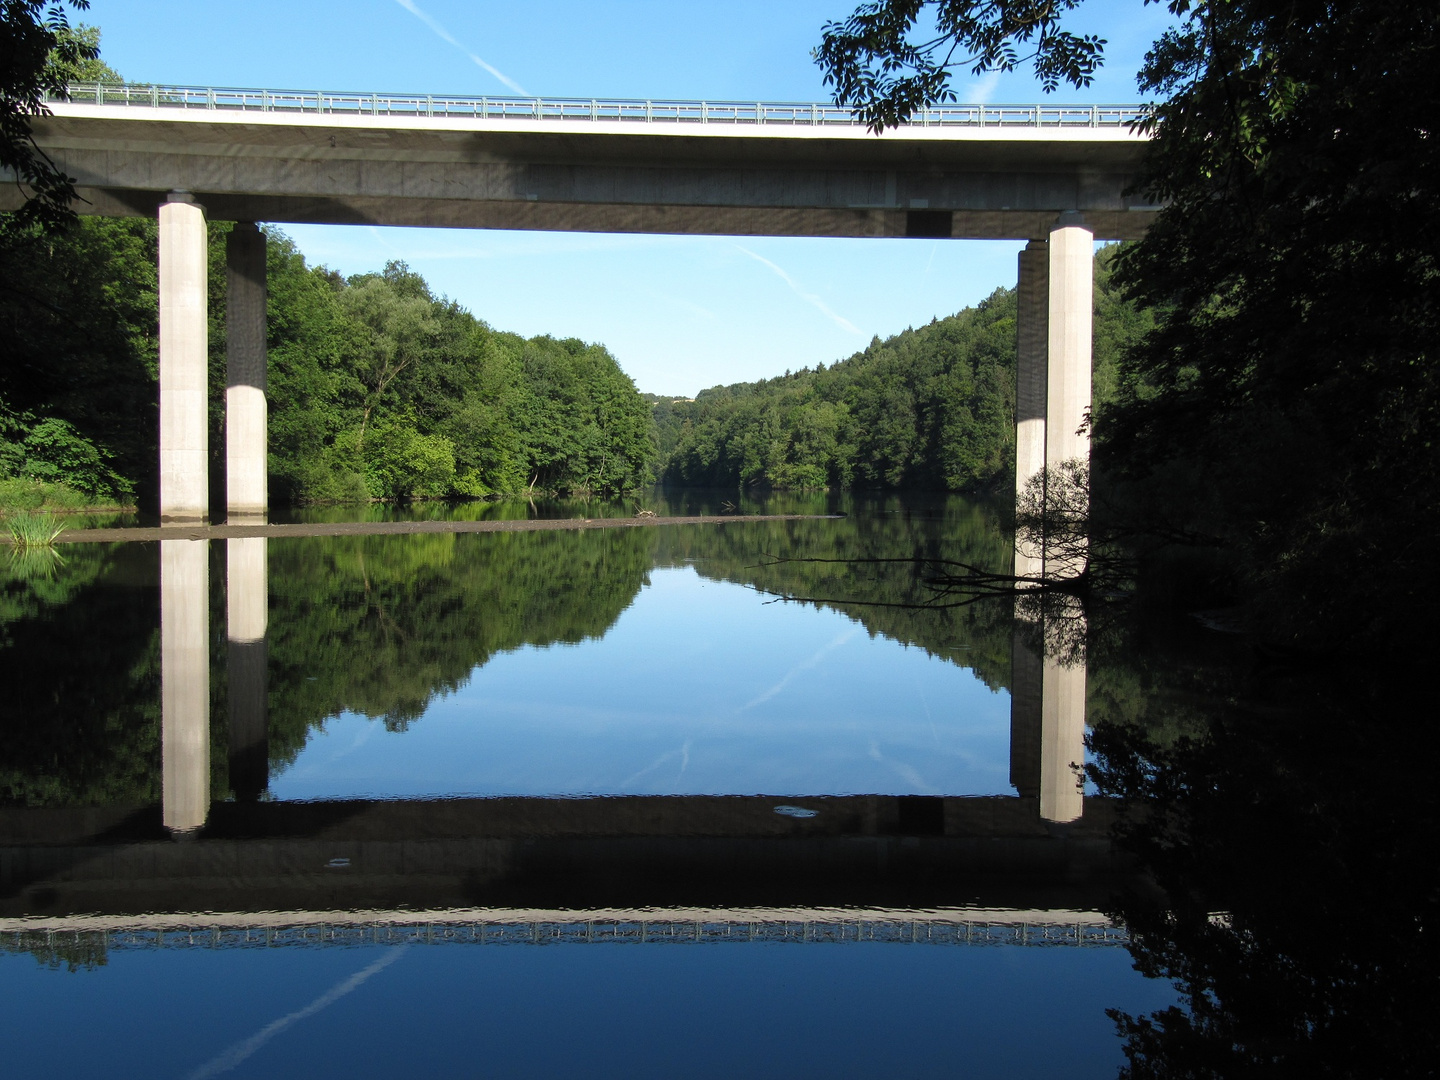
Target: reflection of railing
[[597, 110], [924, 932]]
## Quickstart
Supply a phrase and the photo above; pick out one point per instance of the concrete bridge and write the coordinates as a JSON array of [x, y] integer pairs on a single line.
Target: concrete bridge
[[1056, 176]]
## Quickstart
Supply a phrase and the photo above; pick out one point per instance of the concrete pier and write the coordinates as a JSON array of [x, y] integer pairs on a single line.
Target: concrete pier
[[1069, 334], [246, 466], [185, 683], [247, 615], [184, 434], [1031, 382], [1062, 740]]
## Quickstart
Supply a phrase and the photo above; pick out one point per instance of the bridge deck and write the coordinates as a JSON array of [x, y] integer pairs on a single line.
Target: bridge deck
[[697, 168]]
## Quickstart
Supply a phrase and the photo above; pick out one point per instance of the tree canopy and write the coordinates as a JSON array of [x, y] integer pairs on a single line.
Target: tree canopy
[[377, 388], [931, 408], [891, 57], [1286, 398], [39, 53]]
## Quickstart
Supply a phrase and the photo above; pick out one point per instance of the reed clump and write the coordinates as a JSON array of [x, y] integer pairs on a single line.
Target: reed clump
[[33, 530]]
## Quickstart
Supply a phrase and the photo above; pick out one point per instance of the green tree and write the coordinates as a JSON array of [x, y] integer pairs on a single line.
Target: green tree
[[1285, 399], [892, 57], [39, 53], [929, 409]]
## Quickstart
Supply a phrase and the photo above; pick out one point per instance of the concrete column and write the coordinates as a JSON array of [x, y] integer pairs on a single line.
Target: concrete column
[[1062, 740], [246, 418], [247, 615], [185, 683], [184, 427], [1031, 388], [1069, 335]]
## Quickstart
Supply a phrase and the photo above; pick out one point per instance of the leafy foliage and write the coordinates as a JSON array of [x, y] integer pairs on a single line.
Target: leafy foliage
[[39, 53], [1285, 401], [929, 409], [892, 57], [1294, 368], [1290, 830], [378, 389], [78, 313]]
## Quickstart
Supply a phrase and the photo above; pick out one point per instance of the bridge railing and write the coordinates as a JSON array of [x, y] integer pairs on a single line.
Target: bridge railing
[[660, 931], [596, 110]]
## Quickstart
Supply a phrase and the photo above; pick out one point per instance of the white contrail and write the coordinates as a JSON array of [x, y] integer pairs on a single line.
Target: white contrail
[[978, 92], [804, 665], [908, 773], [809, 297], [234, 1055], [446, 36]]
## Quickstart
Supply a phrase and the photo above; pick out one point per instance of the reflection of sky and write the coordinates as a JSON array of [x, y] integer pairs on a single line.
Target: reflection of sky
[[594, 1011], [701, 687]]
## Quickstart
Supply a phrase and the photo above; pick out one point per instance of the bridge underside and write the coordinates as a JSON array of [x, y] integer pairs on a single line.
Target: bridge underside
[[667, 219], [1058, 188], [911, 852], [585, 177]]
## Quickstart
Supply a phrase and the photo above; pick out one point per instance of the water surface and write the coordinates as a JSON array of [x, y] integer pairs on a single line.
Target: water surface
[[559, 736]]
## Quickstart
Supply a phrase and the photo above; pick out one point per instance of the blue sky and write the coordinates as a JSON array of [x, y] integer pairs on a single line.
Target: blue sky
[[680, 313]]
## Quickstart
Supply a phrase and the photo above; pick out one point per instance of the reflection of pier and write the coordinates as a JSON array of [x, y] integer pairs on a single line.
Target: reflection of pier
[[247, 614], [1047, 730], [185, 682], [1045, 848], [1047, 697]]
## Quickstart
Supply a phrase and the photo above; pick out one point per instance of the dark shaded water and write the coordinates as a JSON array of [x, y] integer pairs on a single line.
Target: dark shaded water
[[603, 803]]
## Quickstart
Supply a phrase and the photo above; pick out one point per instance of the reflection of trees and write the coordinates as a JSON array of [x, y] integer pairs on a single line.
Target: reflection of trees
[[871, 567], [80, 950], [381, 625], [80, 712], [1292, 831]]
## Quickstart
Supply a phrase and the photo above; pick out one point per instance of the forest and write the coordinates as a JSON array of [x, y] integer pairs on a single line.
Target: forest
[[379, 389], [930, 409]]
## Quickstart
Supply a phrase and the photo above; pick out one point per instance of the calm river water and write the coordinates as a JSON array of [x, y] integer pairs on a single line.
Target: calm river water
[[716, 800]]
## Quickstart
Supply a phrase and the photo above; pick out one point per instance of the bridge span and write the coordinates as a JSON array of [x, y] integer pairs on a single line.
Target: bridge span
[[1057, 176]]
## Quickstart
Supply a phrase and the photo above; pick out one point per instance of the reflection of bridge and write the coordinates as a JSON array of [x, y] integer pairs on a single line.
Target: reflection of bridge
[[632, 852], [1044, 849], [1057, 177], [1047, 699], [494, 926]]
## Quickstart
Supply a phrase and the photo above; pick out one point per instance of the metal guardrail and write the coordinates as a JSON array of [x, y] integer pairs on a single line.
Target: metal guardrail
[[921, 932], [596, 110]]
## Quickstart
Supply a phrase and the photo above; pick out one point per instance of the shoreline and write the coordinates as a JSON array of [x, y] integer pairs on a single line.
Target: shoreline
[[200, 531]]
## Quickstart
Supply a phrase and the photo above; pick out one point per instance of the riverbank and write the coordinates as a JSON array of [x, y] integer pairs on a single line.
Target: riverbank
[[382, 528], [23, 496]]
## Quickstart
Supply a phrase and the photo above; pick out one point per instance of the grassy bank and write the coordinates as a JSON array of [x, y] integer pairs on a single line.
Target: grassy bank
[[18, 495]]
